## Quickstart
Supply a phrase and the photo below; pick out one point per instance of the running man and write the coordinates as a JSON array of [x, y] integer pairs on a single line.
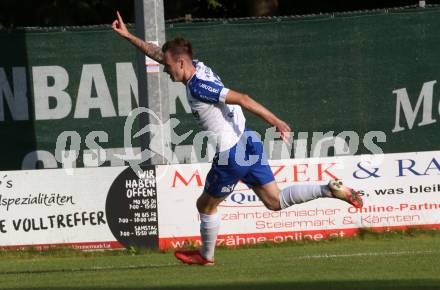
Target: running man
[[239, 153]]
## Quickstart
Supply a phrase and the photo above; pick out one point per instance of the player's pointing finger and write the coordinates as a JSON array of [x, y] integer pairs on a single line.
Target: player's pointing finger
[[119, 17]]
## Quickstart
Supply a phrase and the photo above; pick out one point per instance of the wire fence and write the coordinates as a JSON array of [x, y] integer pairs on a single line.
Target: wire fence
[[189, 19]]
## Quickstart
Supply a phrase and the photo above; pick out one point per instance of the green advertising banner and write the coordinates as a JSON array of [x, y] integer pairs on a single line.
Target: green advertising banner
[[79, 82], [373, 75], [366, 79]]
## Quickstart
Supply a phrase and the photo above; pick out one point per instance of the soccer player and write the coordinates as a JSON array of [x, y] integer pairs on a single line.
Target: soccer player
[[239, 152]]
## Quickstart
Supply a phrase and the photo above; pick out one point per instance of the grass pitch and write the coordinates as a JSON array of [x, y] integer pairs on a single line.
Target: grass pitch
[[385, 261]]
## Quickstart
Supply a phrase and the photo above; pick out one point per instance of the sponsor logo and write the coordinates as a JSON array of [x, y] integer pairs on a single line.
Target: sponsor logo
[[209, 88], [244, 199], [228, 188]]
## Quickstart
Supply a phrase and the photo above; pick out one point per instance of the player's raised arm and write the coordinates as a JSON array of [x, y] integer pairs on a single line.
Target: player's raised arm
[[150, 49], [253, 106]]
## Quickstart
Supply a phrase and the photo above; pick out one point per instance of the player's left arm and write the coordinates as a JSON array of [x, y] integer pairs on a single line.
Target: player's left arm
[[150, 49], [246, 102]]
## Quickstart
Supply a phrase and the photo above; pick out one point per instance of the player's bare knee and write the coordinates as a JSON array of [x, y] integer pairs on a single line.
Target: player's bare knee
[[273, 205], [200, 205], [206, 205]]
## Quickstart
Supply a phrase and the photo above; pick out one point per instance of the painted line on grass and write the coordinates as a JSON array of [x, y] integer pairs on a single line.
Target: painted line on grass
[[150, 266], [366, 254]]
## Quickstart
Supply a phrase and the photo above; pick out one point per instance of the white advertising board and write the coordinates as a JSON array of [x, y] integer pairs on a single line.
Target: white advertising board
[[55, 206], [113, 207], [399, 191], [86, 208]]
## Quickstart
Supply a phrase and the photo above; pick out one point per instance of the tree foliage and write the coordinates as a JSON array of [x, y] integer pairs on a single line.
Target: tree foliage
[[15, 13]]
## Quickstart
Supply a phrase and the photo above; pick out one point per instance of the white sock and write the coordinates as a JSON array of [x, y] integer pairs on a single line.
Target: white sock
[[300, 193], [209, 227]]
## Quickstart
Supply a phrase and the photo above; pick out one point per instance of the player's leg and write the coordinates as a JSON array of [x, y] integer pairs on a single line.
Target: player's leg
[[275, 198], [220, 182], [209, 223], [209, 227]]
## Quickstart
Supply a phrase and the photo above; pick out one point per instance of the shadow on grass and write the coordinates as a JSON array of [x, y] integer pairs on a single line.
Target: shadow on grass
[[311, 285]]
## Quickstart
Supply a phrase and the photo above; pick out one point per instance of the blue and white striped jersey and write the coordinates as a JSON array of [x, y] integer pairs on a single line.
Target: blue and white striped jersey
[[206, 96]]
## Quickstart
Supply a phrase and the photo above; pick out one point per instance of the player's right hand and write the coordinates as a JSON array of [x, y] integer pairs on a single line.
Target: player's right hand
[[285, 131], [119, 26]]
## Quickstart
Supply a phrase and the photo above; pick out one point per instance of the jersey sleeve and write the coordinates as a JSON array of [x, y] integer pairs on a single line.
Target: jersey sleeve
[[207, 91]]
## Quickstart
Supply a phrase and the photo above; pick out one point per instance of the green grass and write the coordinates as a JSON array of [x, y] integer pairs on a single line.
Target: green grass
[[371, 261]]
